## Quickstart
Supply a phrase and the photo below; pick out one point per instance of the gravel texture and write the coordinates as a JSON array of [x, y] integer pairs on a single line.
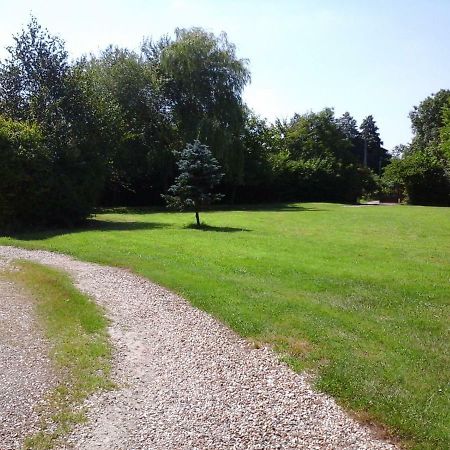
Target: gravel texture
[[25, 370], [188, 382]]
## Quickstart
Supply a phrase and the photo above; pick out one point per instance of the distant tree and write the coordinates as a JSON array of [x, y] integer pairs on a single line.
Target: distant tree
[[422, 177], [348, 125], [316, 135], [33, 76], [445, 134], [423, 171], [371, 138], [314, 160], [194, 186], [369, 131], [427, 119], [400, 150], [375, 156], [259, 141]]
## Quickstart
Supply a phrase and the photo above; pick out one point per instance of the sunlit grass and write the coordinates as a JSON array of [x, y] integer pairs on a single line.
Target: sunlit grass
[[360, 296]]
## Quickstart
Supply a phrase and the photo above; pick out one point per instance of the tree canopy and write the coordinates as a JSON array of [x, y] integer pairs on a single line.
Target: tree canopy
[[422, 169], [427, 119], [39, 86]]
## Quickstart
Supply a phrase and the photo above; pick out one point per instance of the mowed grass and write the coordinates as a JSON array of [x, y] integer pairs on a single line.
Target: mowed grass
[[79, 347], [360, 296]]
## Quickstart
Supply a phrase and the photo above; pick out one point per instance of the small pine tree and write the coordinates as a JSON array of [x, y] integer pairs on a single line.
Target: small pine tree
[[199, 173]]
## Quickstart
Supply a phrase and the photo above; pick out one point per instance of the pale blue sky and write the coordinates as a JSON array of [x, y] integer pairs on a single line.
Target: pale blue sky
[[367, 57]]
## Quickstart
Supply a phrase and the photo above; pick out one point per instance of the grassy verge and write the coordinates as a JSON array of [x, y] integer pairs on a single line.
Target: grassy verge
[[359, 295], [76, 329]]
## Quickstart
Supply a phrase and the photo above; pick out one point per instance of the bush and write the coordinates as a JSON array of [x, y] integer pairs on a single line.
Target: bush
[[423, 177], [316, 179], [25, 176], [40, 187]]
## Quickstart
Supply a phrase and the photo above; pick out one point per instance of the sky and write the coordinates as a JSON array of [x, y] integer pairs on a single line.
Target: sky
[[366, 57]]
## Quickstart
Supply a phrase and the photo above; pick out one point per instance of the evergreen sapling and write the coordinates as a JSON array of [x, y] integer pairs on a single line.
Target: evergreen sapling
[[199, 173]]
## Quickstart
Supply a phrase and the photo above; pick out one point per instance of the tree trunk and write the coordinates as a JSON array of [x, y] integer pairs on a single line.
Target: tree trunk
[[197, 218]]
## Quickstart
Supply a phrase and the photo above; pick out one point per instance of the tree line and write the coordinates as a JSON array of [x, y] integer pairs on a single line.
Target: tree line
[[421, 169], [106, 130]]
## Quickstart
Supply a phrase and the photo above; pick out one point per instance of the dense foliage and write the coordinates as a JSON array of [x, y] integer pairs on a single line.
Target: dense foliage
[[39, 87], [25, 179], [316, 161], [142, 136], [107, 129], [422, 169]]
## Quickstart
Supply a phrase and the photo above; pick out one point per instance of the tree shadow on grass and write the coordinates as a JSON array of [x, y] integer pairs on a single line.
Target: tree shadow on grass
[[88, 225], [269, 207], [205, 227], [130, 210]]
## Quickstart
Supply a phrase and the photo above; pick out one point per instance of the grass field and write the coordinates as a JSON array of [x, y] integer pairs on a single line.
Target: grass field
[[76, 329], [358, 295]]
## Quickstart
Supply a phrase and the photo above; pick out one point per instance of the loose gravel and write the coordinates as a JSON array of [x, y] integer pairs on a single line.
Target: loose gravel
[[188, 382], [26, 374]]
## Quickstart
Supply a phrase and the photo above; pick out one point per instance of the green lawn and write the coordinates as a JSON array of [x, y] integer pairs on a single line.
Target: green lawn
[[359, 295]]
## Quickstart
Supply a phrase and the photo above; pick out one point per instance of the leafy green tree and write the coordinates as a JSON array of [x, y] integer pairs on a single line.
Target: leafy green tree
[[194, 186], [204, 82], [427, 119], [25, 175], [423, 171], [316, 135], [445, 134], [422, 176], [205, 79], [33, 77], [315, 161], [259, 141], [39, 85], [129, 88]]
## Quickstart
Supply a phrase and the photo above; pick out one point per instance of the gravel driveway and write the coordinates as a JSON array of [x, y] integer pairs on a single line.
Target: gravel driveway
[[188, 382], [25, 370]]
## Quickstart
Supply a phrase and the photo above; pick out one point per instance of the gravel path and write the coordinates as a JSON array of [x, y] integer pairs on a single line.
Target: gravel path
[[25, 370], [187, 382]]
